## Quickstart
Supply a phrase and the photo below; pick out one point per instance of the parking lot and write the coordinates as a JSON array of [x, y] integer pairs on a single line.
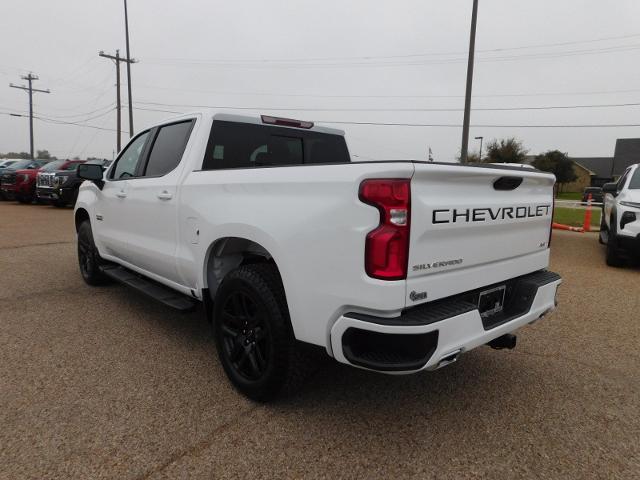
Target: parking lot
[[102, 382]]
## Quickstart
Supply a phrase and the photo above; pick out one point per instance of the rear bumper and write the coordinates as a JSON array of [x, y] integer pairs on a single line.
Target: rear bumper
[[432, 335]]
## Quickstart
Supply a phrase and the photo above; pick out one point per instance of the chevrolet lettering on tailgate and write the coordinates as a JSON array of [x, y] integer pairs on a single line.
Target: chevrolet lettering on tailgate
[[483, 214]]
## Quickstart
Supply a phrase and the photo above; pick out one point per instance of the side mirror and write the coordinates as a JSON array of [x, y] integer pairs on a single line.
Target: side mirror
[[91, 172], [611, 188]]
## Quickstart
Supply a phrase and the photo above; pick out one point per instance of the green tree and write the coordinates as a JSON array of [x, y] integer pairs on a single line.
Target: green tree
[[44, 155], [558, 163], [472, 157], [509, 150], [23, 155]]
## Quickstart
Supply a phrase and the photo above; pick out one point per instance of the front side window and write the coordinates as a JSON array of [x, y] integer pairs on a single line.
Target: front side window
[[167, 149], [634, 184], [127, 163], [622, 180], [245, 145]]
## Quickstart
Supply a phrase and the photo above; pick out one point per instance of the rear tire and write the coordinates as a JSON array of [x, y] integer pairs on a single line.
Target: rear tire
[[253, 334], [88, 256], [59, 204], [613, 258]]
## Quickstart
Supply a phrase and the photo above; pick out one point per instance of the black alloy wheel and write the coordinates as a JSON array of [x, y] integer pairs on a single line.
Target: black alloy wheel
[[254, 336], [88, 257], [245, 335]]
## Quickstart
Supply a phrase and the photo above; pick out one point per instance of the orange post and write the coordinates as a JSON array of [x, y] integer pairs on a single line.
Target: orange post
[[587, 215]]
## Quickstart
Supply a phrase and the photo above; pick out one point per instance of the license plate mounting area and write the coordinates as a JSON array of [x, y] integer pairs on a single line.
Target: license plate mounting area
[[491, 301]]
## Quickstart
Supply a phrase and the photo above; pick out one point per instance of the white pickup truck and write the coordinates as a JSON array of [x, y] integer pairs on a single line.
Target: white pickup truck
[[395, 267]]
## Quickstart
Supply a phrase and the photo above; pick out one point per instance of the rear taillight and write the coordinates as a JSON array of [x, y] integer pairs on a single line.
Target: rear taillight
[[553, 208], [387, 247]]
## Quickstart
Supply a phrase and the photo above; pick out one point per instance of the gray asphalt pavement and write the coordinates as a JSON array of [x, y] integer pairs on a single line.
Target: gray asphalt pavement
[[104, 383]]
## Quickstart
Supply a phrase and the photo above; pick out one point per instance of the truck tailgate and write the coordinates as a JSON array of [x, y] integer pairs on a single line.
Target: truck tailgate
[[475, 226]]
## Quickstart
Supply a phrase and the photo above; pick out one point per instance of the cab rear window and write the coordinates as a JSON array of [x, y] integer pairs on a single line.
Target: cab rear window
[[245, 145]]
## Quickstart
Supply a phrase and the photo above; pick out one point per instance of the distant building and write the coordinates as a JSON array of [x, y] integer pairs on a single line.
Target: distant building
[[627, 153], [584, 178], [599, 168]]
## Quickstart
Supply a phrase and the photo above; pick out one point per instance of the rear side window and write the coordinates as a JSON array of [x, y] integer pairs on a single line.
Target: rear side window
[[244, 145], [167, 149], [634, 184]]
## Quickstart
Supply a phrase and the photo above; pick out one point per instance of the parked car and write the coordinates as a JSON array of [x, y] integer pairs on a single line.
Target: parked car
[[395, 267], [58, 183], [6, 163], [620, 224], [17, 181], [596, 193]]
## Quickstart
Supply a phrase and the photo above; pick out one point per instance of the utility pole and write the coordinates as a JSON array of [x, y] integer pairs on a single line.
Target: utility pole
[[129, 62], [481, 139], [117, 59], [467, 100], [30, 78]]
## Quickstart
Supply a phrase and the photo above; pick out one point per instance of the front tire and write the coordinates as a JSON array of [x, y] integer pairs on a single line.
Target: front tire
[[613, 258], [253, 333], [603, 230], [88, 256]]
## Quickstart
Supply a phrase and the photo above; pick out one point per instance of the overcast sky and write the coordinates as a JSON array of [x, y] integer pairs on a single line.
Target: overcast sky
[[329, 60]]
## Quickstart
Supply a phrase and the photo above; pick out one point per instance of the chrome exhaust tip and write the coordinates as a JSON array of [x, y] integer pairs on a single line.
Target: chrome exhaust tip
[[449, 359]]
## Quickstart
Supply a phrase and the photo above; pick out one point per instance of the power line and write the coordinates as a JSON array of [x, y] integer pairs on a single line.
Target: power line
[[393, 124], [314, 95], [309, 109], [412, 55], [109, 108], [418, 62], [60, 122], [80, 132], [53, 117], [156, 110]]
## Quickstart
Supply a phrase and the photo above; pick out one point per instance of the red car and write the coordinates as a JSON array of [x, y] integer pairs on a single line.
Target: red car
[[16, 179], [18, 182]]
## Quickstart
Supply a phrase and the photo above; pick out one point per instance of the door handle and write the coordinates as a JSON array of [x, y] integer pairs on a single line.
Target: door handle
[[121, 194], [164, 195]]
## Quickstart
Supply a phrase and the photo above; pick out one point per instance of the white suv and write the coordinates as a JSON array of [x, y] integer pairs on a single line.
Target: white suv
[[620, 224]]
